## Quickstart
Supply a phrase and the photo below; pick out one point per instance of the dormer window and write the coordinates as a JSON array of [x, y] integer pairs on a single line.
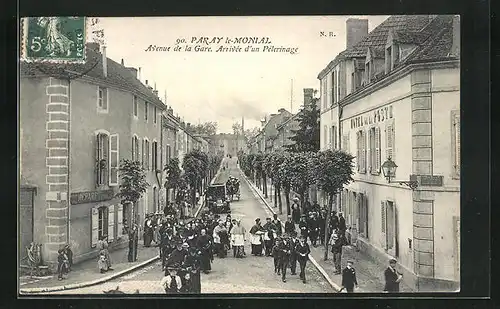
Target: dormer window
[[368, 71], [388, 59]]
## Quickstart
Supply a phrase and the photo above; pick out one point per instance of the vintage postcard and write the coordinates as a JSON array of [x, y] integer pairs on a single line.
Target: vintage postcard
[[270, 154]]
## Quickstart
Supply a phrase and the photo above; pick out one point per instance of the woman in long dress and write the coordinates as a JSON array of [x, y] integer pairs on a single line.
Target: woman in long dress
[[238, 238], [256, 238], [102, 246]]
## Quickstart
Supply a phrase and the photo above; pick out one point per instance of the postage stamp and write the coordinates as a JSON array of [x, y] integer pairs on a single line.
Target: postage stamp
[[53, 39]]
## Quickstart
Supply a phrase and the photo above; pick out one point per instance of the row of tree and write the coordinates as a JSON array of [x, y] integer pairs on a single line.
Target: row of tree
[[198, 168]]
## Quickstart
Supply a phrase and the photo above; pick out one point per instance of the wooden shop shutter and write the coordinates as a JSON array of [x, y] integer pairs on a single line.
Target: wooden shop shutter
[[94, 222], [119, 230], [113, 159], [383, 225], [111, 223]]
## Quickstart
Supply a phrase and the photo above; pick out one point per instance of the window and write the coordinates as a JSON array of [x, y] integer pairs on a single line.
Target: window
[[333, 139], [143, 152], [114, 158], [135, 148], [388, 59], [146, 155], [168, 153], [102, 153], [368, 72], [363, 215], [155, 116], [330, 143], [455, 132], [361, 151], [389, 140], [103, 222], [154, 152], [136, 106], [102, 99], [334, 87], [374, 150], [325, 135], [121, 222], [145, 110]]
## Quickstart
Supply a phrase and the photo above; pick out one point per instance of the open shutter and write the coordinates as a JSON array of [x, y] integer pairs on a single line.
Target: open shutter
[[363, 141], [369, 150], [111, 223], [97, 158], [365, 201], [95, 227], [142, 152], [358, 151], [383, 225], [119, 225], [377, 150], [113, 159], [393, 138], [388, 141]]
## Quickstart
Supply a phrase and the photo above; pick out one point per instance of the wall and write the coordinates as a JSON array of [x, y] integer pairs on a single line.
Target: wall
[[85, 121], [32, 120]]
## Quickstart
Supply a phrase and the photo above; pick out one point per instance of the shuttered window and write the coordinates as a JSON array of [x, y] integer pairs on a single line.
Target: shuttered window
[[146, 111], [455, 131], [143, 152], [94, 220], [334, 87], [114, 158], [102, 222], [147, 155], [383, 224], [111, 223], [135, 149], [370, 148], [390, 140], [154, 154], [155, 116], [102, 100], [102, 154], [376, 168], [361, 153], [119, 225]]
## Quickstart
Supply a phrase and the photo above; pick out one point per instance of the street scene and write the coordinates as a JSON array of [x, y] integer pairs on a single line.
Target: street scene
[[312, 155]]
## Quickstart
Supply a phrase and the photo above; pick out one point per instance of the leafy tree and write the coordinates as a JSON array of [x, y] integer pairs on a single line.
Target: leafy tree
[[302, 173], [257, 162], [237, 129], [277, 158], [284, 166], [334, 170], [173, 170], [306, 138], [207, 128], [133, 183], [195, 166]]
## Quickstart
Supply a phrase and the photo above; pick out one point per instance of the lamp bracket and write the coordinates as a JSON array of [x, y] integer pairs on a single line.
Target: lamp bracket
[[412, 184]]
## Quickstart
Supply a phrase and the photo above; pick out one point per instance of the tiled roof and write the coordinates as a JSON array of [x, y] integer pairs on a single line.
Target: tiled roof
[[432, 34], [118, 75], [377, 52]]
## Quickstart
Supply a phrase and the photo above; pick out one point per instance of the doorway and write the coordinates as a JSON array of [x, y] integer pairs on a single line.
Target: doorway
[[26, 227], [392, 229]]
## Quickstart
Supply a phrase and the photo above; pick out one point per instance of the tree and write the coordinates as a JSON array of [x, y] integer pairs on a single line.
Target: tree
[[237, 129], [206, 128], [306, 138], [173, 170], [276, 159], [334, 170], [302, 173], [284, 174], [195, 166], [258, 160], [133, 183]]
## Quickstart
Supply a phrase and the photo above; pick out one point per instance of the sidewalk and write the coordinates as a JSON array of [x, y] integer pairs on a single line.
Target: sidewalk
[[86, 273], [370, 273]]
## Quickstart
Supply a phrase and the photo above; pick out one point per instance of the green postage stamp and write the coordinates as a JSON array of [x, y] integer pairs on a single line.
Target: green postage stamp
[[53, 39]]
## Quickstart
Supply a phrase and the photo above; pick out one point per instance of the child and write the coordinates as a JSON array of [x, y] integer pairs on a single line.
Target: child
[[276, 255], [62, 264], [172, 282], [102, 262]]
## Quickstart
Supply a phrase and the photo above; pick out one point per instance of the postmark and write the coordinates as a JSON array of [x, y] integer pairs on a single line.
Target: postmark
[[54, 39]]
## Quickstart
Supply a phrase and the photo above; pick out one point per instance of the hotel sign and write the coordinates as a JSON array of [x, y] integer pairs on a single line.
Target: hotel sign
[[91, 196], [378, 115]]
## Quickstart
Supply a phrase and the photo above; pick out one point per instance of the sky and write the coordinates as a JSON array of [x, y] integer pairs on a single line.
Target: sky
[[226, 86]]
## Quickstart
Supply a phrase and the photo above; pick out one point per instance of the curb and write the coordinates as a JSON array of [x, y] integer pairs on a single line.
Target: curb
[[108, 278], [313, 261]]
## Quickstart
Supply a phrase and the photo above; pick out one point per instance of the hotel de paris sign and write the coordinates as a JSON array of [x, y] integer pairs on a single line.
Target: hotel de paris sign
[[378, 115]]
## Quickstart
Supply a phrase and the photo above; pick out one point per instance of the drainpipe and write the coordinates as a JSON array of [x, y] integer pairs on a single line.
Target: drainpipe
[[68, 228]]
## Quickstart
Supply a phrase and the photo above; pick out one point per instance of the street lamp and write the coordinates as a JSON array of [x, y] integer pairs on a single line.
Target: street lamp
[[389, 170]]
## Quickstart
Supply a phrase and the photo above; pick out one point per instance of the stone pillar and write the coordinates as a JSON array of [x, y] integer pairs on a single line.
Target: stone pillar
[[423, 201], [57, 156]]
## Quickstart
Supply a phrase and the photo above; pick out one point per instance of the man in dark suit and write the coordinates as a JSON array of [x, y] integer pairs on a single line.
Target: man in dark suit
[[392, 278], [349, 280]]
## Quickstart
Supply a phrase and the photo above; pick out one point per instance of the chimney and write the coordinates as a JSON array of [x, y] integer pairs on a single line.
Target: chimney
[[308, 96], [104, 62], [140, 75], [356, 30], [93, 46], [123, 63], [455, 45]]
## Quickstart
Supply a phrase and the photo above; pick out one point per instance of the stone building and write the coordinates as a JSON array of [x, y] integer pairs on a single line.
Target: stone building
[[396, 94], [74, 132]]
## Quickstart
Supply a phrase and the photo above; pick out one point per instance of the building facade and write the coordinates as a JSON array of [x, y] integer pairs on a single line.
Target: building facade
[[398, 93], [268, 138], [71, 154]]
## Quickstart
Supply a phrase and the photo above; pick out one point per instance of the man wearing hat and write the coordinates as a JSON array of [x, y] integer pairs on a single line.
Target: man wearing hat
[[303, 226], [293, 254], [276, 255], [204, 243], [295, 210], [277, 223], [342, 225], [256, 239], [349, 280], [289, 225], [148, 231], [392, 277], [172, 283], [269, 234], [177, 256], [303, 250], [313, 224], [285, 252], [336, 242]]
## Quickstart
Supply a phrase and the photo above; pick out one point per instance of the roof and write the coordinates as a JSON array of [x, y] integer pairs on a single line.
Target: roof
[[377, 52], [118, 75], [431, 34]]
